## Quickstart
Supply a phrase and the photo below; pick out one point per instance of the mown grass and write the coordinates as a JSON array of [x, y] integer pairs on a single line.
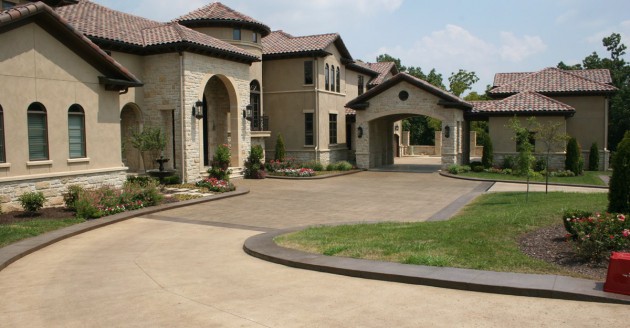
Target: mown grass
[[588, 178], [483, 236], [12, 232]]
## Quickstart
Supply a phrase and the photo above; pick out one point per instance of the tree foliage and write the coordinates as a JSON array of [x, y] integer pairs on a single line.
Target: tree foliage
[[619, 190], [279, 150], [573, 161], [619, 114], [593, 158], [461, 81], [487, 157]]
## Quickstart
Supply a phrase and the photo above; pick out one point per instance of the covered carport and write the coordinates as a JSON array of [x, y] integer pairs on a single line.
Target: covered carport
[[401, 97]]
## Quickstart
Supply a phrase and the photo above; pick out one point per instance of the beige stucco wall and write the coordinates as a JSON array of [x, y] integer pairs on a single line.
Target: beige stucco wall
[[589, 124], [38, 68], [503, 137]]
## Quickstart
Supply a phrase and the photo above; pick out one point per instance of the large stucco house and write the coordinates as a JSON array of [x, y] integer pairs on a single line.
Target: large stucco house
[[79, 78]]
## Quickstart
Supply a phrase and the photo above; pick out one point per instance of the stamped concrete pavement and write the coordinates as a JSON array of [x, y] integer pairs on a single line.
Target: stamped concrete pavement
[[185, 267]]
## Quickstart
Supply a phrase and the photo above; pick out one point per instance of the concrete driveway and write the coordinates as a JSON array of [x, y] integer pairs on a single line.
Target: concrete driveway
[[186, 268]]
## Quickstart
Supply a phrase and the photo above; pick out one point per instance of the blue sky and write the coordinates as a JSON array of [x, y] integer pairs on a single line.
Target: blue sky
[[482, 36]]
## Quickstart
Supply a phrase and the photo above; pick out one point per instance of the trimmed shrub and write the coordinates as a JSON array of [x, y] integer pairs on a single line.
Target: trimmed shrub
[[508, 162], [32, 201], [343, 166], [221, 163], [254, 168], [70, 197], [172, 180], [540, 165], [593, 158], [573, 157], [280, 151], [456, 169], [331, 167], [487, 157], [313, 165], [477, 166], [619, 191]]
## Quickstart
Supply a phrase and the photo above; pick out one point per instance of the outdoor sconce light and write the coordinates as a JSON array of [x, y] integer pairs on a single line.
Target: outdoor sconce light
[[198, 110], [447, 131], [360, 132], [396, 128], [247, 112]]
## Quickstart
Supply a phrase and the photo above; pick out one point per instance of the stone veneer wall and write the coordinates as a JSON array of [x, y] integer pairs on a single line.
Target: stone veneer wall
[[54, 187]]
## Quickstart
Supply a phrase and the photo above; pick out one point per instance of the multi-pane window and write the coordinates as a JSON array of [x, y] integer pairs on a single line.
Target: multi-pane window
[[332, 78], [37, 132], [308, 129], [360, 84], [326, 78], [308, 72], [2, 151], [338, 80], [76, 131], [254, 101], [332, 129], [255, 37], [236, 34]]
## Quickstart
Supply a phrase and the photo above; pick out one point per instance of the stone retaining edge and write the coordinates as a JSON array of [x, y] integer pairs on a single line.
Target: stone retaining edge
[[18, 250], [263, 247], [317, 177], [454, 176]]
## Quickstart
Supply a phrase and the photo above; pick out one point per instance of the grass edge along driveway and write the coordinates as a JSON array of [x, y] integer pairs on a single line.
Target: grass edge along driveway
[[483, 236]]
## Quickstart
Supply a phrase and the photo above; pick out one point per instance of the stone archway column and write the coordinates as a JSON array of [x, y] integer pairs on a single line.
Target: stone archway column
[[363, 145], [449, 144]]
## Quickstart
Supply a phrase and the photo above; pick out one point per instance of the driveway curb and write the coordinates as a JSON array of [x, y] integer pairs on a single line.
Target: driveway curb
[[519, 284], [448, 175], [317, 177], [18, 250]]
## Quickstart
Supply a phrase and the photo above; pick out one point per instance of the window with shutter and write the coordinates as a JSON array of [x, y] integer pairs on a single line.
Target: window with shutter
[[37, 132], [76, 131]]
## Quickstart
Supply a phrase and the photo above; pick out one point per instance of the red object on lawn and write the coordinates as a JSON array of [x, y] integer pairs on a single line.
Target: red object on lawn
[[618, 278]]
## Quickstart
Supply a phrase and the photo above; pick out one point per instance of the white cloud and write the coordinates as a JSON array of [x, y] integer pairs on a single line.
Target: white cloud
[[622, 28], [567, 16], [516, 49]]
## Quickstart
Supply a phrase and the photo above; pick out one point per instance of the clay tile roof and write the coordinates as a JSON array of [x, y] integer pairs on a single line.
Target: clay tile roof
[[72, 38], [524, 102], [551, 81], [383, 68], [597, 75], [281, 44], [104, 24], [362, 67], [219, 14]]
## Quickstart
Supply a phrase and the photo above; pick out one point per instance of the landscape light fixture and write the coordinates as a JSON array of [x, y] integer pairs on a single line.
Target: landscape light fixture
[[197, 110]]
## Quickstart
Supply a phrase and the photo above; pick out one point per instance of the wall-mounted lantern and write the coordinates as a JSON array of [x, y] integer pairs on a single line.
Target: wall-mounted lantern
[[197, 110], [360, 132], [447, 131], [247, 112], [396, 128]]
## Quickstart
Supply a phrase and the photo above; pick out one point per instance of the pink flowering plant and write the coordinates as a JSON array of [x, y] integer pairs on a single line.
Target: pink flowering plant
[[301, 172], [596, 235], [216, 185]]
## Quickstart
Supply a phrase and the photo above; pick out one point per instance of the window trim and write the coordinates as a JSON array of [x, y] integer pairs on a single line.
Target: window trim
[[332, 129], [309, 133], [77, 111], [41, 110], [3, 157]]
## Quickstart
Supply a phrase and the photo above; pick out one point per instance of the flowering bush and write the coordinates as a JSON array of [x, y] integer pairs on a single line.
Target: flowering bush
[[303, 172], [595, 236], [106, 200], [216, 185], [221, 163], [275, 165], [109, 210]]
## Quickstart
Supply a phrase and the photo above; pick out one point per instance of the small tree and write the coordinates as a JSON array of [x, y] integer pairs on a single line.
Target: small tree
[[593, 158], [525, 158], [552, 136], [221, 163], [487, 157], [254, 169], [150, 141], [573, 159], [619, 190], [280, 151]]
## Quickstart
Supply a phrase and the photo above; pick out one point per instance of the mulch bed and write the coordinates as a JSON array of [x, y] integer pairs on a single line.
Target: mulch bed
[[52, 213], [549, 244]]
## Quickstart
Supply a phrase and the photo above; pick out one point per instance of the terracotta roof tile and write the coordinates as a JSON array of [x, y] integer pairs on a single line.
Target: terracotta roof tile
[[597, 75], [279, 42], [217, 12], [552, 80], [383, 68], [524, 102], [103, 23]]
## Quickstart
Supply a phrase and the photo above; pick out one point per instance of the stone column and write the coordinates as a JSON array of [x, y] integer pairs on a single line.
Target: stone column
[[363, 145], [449, 143]]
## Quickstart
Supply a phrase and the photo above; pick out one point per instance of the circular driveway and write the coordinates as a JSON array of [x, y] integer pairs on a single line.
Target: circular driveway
[[186, 268]]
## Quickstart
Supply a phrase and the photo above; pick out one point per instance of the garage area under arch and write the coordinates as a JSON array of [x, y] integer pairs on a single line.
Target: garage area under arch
[[400, 97]]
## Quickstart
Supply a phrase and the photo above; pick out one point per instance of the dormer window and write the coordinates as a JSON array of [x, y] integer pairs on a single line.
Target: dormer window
[[236, 34], [255, 37]]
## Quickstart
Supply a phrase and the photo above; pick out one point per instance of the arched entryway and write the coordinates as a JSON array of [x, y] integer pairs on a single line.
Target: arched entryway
[[130, 122], [398, 98], [220, 123]]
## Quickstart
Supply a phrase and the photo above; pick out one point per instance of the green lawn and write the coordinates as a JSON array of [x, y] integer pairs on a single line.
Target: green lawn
[[483, 236], [12, 232], [588, 178]]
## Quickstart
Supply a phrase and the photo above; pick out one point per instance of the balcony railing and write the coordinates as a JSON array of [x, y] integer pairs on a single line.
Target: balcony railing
[[260, 123]]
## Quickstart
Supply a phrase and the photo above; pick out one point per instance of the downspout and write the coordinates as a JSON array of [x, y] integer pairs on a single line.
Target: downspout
[[605, 133], [316, 114], [182, 117]]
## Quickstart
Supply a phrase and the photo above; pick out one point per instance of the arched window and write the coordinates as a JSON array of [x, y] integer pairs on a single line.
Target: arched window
[[37, 132], [3, 158], [326, 78], [332, 78], [338, 80], [76, 131], [254, 100]]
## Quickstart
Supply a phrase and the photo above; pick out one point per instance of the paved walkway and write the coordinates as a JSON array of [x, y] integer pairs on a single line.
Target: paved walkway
[[186, 267]]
